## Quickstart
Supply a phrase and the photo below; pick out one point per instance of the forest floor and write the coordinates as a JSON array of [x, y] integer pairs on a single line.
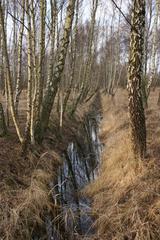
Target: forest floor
[[126, 194]]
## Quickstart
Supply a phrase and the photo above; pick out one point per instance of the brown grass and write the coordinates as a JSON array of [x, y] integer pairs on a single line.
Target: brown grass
[[25, 194], [126, 195], [26, 200]]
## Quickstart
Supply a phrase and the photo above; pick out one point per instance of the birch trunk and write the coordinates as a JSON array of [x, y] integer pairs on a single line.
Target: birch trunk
[[154, 49], [74, 43], [19, 73], [29, 87], [52, 87], [8, 76], [38, 95], [135, 72]]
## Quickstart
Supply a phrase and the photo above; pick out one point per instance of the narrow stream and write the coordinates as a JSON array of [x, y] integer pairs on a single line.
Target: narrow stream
[[81, 160], [80, 167]]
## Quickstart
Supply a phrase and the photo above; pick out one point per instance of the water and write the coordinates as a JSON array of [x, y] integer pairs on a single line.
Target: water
[[80, 167], [81, 162]]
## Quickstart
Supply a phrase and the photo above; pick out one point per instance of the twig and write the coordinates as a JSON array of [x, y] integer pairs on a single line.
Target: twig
[[17, 20], [122, 13]]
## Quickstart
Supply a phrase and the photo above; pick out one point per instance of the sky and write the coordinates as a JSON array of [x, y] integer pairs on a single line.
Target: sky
[[103, 16]]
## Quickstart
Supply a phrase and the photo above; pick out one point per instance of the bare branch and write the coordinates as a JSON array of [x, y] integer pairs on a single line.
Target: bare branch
[[16, 19]]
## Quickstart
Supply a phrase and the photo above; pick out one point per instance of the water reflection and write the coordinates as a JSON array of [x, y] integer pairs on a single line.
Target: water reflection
[[81, 164]]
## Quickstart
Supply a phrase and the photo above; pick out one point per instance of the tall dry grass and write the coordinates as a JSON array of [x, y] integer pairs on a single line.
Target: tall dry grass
[[126, 195], [26, 197], [25, 207]]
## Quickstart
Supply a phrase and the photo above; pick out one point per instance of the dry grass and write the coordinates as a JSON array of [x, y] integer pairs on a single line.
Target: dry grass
[[126, 195], [26, 204], [25, 191]]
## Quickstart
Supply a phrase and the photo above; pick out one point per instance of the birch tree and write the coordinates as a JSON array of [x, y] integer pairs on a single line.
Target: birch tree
[[154, 47], [73, 58], [8, 76], [135, 71], [40, 80], [19, 73], [52, 87], [29, 85]]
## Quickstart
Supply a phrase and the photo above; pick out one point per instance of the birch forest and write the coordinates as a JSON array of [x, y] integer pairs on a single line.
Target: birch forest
[[79, 119]]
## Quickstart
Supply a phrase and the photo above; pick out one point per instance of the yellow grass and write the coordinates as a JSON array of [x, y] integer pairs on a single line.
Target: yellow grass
[[27, 206], [25, 191], [126, 195]]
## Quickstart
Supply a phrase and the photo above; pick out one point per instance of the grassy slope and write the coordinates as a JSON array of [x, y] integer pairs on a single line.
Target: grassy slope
[[126, 195], [25, 195]]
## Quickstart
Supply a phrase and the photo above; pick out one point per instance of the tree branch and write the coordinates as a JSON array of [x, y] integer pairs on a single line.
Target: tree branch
[[122, 13], [18, 20]]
